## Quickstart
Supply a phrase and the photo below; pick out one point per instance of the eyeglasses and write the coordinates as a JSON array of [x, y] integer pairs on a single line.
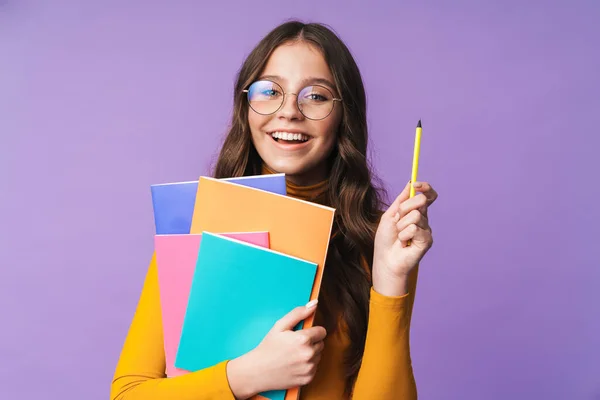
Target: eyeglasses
[[314, 102]]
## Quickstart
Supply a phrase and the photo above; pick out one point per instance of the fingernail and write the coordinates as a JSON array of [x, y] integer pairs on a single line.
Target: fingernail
[[417, 184], [311, 304]]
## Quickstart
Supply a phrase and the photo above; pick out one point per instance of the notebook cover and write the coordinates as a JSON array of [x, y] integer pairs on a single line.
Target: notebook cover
[[239, 290], [176, 257], [296, 227], [173, 203]]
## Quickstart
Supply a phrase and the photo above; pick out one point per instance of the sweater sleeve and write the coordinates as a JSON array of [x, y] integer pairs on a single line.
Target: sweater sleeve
[[386, 371], [140, 371]]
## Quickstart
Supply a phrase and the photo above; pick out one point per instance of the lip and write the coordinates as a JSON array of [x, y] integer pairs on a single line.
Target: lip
[[290, 146]]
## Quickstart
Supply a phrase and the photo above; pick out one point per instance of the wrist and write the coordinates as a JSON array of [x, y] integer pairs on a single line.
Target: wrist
[[388, 284], [243, 378]]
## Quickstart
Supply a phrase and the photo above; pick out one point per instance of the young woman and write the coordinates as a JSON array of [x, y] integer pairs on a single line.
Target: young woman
[[300, 109]]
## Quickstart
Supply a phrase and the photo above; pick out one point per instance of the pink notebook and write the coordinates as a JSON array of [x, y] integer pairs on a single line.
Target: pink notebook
[[176, 257]]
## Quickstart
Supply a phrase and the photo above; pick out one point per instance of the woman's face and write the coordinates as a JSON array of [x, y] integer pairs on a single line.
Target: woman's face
[[286, 140]]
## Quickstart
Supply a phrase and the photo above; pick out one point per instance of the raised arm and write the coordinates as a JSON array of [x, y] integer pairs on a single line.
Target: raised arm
[[386, 372], [402, 239]]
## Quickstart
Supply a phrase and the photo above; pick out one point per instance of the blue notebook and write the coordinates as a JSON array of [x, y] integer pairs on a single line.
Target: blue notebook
[[238, 292], [173, 203]]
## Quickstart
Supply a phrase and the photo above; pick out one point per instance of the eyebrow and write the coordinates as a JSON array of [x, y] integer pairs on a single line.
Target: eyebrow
[[313, 80]]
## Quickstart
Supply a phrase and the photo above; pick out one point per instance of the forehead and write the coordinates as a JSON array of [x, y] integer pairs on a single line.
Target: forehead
[[296, 63]]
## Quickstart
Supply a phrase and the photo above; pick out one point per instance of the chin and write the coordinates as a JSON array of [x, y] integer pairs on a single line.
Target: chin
[[288, 168]]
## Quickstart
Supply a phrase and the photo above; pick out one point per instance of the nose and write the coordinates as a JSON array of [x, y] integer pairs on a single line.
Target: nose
[[289, 109]]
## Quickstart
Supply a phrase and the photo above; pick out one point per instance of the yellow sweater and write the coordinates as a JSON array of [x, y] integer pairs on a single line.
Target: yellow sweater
[[386, 372]]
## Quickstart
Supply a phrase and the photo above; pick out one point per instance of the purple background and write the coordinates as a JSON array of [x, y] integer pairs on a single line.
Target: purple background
[[100, 99]]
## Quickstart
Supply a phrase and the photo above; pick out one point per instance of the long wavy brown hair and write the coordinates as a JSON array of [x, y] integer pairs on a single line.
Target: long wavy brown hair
[[351, 191]]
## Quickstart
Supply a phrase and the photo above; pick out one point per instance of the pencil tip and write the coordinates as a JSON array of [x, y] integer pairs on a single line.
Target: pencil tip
[[419, 124]]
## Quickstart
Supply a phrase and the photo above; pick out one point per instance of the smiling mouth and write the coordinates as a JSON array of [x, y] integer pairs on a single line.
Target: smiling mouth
[[287, 137]]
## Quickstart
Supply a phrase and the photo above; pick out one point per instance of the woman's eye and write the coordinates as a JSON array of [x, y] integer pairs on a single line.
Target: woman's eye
[[316, 97]]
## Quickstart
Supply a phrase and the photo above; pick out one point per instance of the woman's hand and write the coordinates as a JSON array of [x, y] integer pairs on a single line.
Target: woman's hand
[[405, 220], [284, 359]]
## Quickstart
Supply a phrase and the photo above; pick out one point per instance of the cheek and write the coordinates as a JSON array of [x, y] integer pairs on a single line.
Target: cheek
[[329, 131], [256, 123], [253, 121]]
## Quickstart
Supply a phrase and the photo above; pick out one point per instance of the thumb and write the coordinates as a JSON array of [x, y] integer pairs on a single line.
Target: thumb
[[293, 318]]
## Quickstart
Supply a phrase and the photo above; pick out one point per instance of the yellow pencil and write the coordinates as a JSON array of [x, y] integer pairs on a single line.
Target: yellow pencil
[[415, 164]]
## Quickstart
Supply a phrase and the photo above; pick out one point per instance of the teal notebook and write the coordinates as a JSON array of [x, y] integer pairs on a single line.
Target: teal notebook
[[238, 292]]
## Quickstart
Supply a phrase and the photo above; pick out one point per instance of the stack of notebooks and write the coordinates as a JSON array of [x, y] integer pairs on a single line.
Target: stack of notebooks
[[233, 257]]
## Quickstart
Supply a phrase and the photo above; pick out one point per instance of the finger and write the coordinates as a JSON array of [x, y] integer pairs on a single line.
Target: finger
[[318, 347], [427, 190], [393, 208], [316, 358], [293, 318], [414, 203], [315, 334], [416, 235], [413, 217]]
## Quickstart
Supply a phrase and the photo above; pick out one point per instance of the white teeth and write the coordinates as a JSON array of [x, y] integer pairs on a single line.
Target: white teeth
[[290, 136]]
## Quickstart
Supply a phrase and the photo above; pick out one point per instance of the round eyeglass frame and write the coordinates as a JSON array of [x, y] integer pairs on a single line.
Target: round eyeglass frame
[[333, 99]]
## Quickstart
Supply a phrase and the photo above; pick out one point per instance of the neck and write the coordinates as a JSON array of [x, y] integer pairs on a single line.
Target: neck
[[304, 190], [316, 176]]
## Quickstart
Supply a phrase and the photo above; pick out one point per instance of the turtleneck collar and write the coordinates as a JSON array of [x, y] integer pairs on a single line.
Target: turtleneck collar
[[316, 193]]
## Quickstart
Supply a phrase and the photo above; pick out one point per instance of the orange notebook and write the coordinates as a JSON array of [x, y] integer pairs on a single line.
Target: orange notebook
[[296, 227]]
